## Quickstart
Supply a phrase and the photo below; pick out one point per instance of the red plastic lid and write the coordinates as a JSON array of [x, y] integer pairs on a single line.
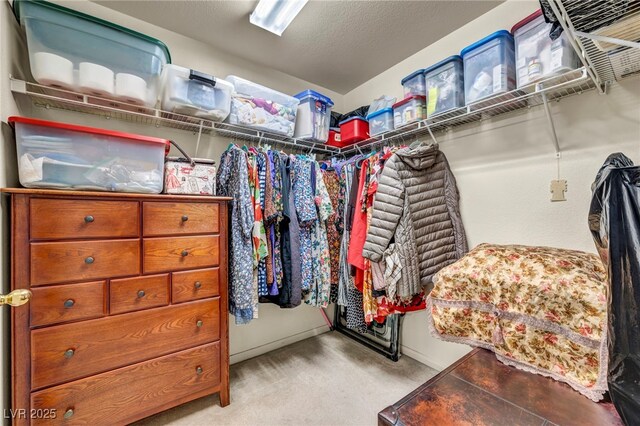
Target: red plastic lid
[[526, 20], [57, 125], [409, 98]]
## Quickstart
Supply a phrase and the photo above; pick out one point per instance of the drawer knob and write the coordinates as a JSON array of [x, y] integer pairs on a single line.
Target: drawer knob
[[89, 260], [88, 219], [69, 303], [199, 323], [197, 285], [185, 218], [69, 353], [141, 293], [185, 253], [199, 370], [69, 413]]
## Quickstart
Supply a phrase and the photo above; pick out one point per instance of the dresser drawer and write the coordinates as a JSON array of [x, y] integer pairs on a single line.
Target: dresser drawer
[[176, 253], [192, 285], [66, 352], [83, 260], [62, 303], [71, 219], [126, 394], [134, 294], [163, 218]]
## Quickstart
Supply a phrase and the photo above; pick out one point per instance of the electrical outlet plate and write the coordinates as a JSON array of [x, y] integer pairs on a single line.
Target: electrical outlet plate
[[558, 188]]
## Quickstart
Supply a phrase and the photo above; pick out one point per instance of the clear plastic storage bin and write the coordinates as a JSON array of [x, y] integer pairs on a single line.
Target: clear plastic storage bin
[[74, 51], [380, 121], [537, 56], [489, 67], [413, 84], [189, 92], [259, 107], [445, 85], [408, 110], [313, 117], [66, 156]]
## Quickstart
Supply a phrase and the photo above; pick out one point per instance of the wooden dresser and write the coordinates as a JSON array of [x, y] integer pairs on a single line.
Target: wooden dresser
[[128, 313]]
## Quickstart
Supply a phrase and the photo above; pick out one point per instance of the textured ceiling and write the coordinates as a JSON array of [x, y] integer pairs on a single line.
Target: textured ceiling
[[335, 44]]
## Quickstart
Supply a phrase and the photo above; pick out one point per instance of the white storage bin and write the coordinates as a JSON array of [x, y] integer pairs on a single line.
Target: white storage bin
[[189, 92], [489, 67], [408, 110], [537, 56], [65, 156], [380, 121], [75, 51], [413, 84], [313, 116], [445, 85], [259, 107]]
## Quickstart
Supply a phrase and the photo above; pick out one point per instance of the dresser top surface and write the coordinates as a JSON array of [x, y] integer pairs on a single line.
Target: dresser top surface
[[96, 194]]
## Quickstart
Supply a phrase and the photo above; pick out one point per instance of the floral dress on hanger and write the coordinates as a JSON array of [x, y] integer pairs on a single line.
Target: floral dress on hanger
[[307, 216], [332, 183]]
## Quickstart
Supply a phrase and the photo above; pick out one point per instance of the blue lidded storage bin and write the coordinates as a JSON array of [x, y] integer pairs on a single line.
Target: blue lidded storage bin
[[445, 85], [413, 84], [380, 121], [313, 117], [489, 66]]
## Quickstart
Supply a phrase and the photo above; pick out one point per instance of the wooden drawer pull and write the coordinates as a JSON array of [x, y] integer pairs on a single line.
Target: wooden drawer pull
[[89, 219], [185, 253], [69, 413], [197, 285], [185, 218], [141, 294], [199, 370], [89, 260], [199, 323], [69, 303], [69, 353]]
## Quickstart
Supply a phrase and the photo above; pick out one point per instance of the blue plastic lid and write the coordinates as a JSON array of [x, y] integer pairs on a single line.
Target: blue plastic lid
[[315, 96], [379, 112], [454, 58], [351, 119], [410, 76], [487, 39]]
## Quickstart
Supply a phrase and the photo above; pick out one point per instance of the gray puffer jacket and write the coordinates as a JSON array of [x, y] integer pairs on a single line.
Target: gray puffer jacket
[[417, 204]]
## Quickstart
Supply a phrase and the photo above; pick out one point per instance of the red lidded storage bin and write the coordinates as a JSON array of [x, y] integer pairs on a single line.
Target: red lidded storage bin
[[334, 137], [354, 129]]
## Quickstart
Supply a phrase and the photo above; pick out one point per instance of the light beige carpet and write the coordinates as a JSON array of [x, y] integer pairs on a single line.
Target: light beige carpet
[[325, 380]]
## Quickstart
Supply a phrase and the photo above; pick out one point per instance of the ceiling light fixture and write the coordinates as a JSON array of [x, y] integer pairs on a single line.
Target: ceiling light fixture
[[276, 15]]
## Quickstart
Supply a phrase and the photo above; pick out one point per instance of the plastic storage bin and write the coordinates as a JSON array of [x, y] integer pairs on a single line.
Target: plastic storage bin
[[75, 51], [445, 85], [413, 84], [380, 121], [409, 110], [66, 156], [313, 117], [352, 130], [259, 107], [189, 92], [489, 66], [334, 137], [537, 56]]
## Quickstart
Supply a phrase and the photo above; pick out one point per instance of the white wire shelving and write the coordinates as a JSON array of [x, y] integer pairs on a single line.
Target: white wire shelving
[[584, 20]]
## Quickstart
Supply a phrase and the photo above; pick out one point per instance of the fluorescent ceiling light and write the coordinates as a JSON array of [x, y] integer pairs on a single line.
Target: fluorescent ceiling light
[[276, 15]]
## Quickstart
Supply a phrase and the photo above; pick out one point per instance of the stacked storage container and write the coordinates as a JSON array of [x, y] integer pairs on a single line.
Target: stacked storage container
[[65, 156], [413, 84], [259, 107], [489, 67], [352, 130], [445, 85], [74, 51], [380, 121], [190, 92], [313, 117], [409, 110], [537, 56]]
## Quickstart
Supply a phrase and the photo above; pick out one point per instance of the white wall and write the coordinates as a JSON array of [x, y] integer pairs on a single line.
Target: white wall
[[504, 167], [276, 327]]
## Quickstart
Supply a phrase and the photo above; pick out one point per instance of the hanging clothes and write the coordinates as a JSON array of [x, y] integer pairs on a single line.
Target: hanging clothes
[[334, 231], [232, 180]]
